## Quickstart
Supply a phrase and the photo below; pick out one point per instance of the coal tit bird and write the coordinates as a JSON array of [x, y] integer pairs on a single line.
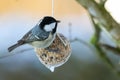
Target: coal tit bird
[[40, 36]]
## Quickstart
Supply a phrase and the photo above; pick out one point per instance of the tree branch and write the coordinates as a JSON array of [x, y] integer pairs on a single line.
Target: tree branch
[[102, 17], [102, 2], [102, 20], [95, 40]]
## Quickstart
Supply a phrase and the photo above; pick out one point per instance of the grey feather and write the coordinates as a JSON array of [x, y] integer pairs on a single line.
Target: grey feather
[[35, 34]]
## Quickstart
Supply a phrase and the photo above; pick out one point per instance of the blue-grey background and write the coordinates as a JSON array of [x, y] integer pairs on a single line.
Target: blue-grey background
[[84, 63]]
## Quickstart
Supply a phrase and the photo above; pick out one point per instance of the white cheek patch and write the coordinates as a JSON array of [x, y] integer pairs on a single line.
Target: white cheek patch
[[49, 27]]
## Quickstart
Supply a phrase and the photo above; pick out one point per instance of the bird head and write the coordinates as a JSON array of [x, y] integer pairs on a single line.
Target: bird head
[[49, 24]]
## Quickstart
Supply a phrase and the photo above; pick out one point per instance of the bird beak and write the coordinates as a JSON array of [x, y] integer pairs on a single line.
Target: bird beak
[[58, 21]]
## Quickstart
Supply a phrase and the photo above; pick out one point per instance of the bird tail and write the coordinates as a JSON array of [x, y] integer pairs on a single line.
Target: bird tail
[[15, 46]]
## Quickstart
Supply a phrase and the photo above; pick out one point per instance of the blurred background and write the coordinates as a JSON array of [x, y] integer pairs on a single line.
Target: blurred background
[[18, 16]]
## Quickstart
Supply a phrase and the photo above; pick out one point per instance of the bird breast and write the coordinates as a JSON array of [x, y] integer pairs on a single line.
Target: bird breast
[[45, 43]]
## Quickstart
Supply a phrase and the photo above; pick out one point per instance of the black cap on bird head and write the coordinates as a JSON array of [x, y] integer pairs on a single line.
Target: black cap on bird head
[[47, 20]]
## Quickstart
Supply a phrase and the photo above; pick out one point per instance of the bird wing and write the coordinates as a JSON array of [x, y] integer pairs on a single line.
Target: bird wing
[[34, 35]]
